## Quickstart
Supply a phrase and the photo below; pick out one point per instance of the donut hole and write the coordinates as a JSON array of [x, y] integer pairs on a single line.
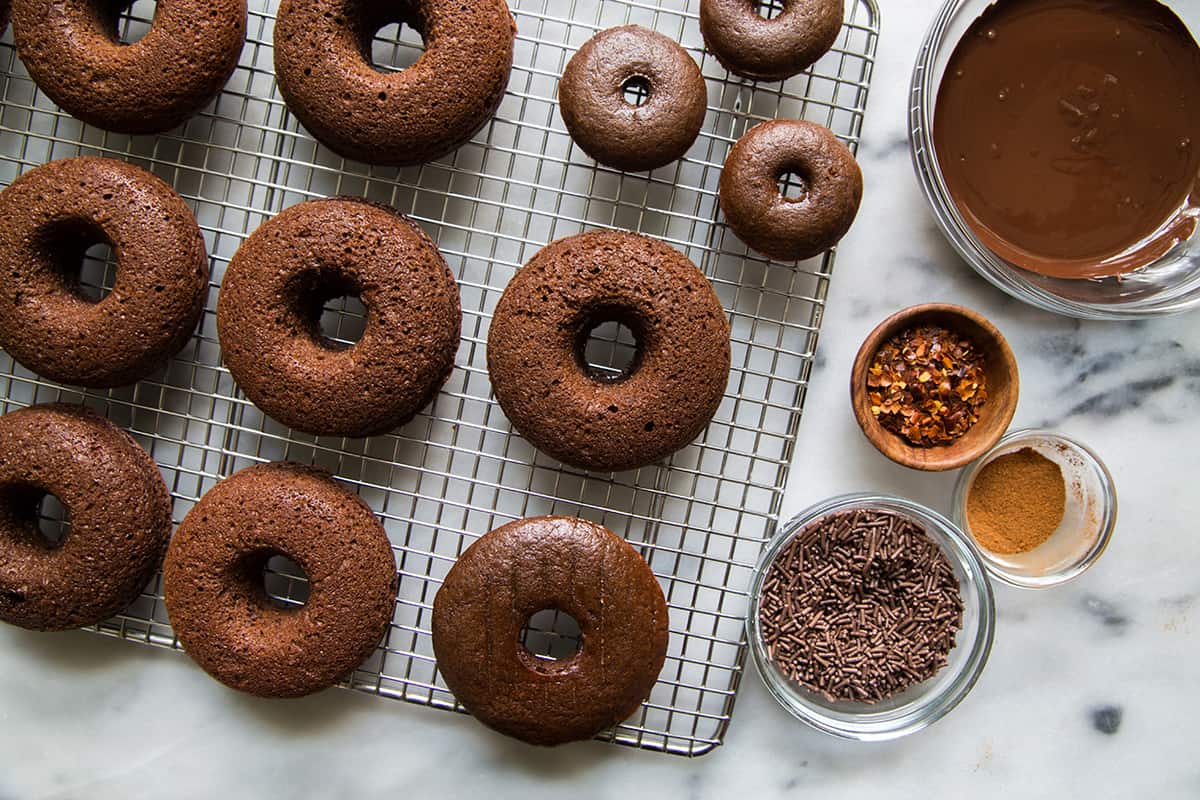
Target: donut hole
[[332, 309], [342, 322], [769, 9], [550, 635], [391, 39], [53, 520], [636, 90], [41, 516], [794, 184], [280, 581], [83, 259], [396, 47], [608, 347], [97, 273], [124, 21]]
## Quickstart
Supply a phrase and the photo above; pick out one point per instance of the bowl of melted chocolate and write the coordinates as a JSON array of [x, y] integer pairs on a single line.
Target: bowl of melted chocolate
[[1058, 142]]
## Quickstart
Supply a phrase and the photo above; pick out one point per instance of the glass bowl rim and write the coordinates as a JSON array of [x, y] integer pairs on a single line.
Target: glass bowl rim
[[1107, 526], [930, 708]]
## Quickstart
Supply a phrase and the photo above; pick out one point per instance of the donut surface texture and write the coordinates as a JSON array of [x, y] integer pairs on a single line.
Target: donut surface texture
[[770, 49], [269, 309], [613, 130], [215, 596], [323, 68], [120, 518], [52, 215], [783, 227], [531, 565], [541, 324], [72, 52]]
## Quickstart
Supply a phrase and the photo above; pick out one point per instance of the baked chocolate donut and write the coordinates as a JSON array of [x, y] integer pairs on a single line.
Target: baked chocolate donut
[[52, 214], [770, 49], [120, 514], [782, 227], [219, 608], [610, 129], [323, 68], [72, 53], [527, 566], [270, 305], [540, 327]]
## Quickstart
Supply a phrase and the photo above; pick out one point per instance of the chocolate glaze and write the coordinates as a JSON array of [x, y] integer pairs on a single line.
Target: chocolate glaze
[[1068, 133]]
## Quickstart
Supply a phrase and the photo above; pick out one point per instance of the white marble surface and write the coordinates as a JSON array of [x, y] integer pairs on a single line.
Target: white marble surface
[[82, 716]]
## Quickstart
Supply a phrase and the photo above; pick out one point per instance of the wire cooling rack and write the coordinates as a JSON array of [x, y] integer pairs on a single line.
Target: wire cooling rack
[[458, 470]]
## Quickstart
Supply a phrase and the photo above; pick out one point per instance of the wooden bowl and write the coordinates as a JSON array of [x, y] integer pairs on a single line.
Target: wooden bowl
[[1000, 369]]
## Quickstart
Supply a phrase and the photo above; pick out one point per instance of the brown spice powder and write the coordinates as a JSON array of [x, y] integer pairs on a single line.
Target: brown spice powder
[[1016, 502]]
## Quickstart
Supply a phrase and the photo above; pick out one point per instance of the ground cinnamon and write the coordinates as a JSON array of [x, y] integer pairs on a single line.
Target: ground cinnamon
[[1016, 502]]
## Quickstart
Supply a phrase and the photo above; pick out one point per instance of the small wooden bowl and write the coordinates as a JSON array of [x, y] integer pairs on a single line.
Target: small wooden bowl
[[1003, 383]]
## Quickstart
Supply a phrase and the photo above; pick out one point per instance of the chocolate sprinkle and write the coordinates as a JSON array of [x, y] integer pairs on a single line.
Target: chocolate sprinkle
[[859, 606]]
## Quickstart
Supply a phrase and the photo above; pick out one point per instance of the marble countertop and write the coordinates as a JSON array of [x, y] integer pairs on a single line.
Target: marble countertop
[[1091, 689]]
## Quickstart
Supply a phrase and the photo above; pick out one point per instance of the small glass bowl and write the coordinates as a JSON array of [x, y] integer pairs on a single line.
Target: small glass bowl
[[1088, 522], [922, 705], [1170, 285]]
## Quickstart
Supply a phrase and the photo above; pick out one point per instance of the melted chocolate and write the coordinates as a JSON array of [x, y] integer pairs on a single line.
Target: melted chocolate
[[1068, 133]]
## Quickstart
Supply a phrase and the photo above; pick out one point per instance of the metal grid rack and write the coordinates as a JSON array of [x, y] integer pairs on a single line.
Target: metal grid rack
[[457, 470]]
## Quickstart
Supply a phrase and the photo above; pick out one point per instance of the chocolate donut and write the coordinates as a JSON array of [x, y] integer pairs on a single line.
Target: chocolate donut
[[52, 214], [323, 68], [270, 305], [120, 514], [540, 326], [527, 566], [782, 227], [72, 53], [770, 49], [213, 581], [610, 129]]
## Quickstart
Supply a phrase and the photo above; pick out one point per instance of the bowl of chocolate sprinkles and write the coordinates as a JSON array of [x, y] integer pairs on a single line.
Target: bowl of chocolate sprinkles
[[871, 616]]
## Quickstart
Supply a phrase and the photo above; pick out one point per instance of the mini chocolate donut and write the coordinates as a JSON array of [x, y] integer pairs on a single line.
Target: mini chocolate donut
[[528, 566], [52, 214], [770, 49], [606, 125], [270, 305], [73, 54], [782, 227], [540, 327], [120, 515], [323, 68], [218, 605]]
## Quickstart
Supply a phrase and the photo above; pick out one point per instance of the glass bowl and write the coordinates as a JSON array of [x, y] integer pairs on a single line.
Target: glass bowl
[[921, 705], [1088, 522], [1170, 285]]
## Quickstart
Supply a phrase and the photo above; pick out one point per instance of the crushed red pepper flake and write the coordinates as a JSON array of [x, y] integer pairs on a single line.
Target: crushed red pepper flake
[[927, 385]]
